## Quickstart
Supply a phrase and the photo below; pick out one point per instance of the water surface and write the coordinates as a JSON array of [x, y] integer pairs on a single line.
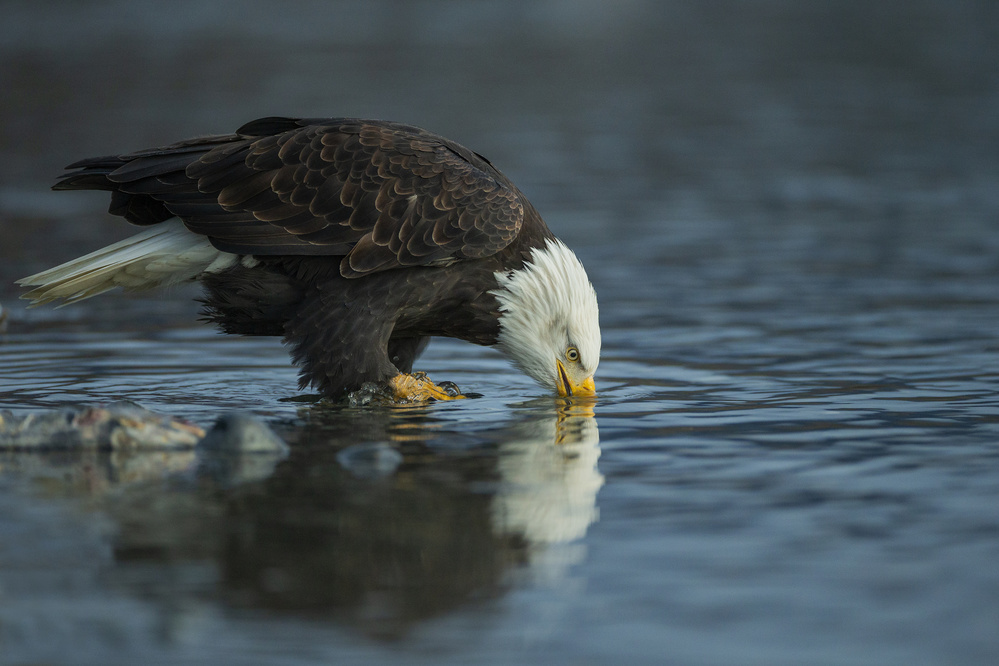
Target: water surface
[[790, 217]]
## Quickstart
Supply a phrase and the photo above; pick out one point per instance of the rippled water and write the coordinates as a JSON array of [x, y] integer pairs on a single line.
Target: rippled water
[[791, 222]]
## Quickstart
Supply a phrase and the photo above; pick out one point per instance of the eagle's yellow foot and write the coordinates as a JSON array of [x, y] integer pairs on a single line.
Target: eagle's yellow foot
[[418, 388]]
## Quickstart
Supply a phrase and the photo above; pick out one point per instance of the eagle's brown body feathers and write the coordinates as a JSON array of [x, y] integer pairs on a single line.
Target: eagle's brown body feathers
[[354, 240]]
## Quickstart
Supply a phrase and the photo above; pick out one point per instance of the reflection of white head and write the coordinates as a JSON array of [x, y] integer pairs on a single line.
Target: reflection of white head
[[549, 489]]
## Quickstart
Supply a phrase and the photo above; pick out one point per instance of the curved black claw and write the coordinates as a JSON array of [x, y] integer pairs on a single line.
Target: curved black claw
[[450, 388]]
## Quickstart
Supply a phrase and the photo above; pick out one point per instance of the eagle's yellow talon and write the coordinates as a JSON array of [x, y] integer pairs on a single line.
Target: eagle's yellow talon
[[418, 388]]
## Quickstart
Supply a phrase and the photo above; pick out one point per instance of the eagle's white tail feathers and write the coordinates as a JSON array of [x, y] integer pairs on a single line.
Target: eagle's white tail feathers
[[164, 254]]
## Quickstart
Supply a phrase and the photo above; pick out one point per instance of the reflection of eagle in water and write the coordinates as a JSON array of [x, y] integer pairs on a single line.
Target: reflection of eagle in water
[[354, 240]]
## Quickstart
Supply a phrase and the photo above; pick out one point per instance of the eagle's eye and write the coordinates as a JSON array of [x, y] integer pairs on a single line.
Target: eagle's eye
[[572, 354]]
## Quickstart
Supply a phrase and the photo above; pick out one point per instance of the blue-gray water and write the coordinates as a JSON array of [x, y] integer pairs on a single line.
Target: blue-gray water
[[790, 212]]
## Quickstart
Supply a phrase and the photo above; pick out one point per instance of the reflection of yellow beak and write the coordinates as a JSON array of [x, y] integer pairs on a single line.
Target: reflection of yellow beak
[[566, 388]]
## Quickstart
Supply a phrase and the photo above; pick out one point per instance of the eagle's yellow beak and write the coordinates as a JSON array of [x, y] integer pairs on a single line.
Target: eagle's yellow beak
[[566, 388]]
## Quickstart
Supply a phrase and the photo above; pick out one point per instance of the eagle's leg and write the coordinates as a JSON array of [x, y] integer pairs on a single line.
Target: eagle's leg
[[418, 388], [412, 386]]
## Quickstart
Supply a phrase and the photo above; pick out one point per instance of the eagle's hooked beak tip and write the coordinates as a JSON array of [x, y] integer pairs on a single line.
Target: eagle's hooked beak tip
[[567, 389]]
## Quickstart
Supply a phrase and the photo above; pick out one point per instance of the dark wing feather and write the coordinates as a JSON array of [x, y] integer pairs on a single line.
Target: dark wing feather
[[380, 195]]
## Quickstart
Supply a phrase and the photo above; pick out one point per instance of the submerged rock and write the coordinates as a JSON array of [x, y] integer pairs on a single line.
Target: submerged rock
[[370, 461], [122, 443], [243, 433], [239, 448], [115, 426], [127, 425]]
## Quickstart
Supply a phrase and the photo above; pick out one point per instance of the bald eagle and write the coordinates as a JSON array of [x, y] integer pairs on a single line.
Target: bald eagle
[[355, 241]]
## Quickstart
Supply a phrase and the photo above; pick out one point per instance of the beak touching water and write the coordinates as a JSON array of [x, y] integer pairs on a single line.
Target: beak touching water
[[566, 387]]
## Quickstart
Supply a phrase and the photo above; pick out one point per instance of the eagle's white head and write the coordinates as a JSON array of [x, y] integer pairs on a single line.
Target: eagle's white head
[[549, 323]]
